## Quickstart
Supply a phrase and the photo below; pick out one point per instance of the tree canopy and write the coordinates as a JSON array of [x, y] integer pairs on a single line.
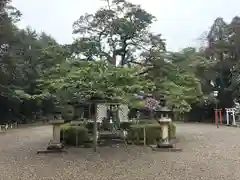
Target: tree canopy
[[114, 56]]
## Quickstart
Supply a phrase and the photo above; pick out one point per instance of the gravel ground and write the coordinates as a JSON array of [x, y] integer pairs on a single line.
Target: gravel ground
[[208, 154]]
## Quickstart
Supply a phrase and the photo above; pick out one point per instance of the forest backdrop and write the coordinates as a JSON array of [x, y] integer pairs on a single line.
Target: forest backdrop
[[114, 56]]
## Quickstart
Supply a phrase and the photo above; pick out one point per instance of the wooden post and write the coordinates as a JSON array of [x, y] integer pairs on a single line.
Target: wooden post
[[89, 111], [95, 132], [152, 115], [63, 135], [216, 116], [220, 116], [144, 136], [76, 137], [125, 136]]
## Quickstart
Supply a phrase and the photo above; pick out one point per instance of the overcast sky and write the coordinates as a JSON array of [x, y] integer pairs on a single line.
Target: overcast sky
[[181, 22]]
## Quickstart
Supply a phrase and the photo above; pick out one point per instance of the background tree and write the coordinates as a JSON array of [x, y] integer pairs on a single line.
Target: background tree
[[118, 32], [223, 50]]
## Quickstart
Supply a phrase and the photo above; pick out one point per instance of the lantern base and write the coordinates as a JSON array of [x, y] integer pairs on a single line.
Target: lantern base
[[55, 146], [165, 148], [164, 145], [51, 151]]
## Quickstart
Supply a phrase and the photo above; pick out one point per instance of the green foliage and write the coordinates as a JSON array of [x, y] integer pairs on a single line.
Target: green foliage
[[136, 103], [106, 125], [153, 133], [179, 87], [25, 56], [69, 134], [135, 132], [67, 112], [90, 126], [82, 80], [172, 131], [126, 125], [223, 51], [121, 29], [37, 74], [181, 91], [147, 121]]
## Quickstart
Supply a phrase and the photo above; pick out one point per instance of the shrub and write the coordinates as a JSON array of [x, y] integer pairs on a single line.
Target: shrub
[[126, 125], [136, 133], [106, 125], [153, 133], [69, 134], [172, 131], [90, 125], [147, 121], [65, 126], [67, 112], [77, 123]]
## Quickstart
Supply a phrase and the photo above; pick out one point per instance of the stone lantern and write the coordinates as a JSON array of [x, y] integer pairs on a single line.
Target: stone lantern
[[164, 121], [56, 123], [55, 144]]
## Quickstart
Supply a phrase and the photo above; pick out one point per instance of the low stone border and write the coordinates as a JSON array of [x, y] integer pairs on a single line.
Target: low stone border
[[234, 125], [173, 149], [51, 151]]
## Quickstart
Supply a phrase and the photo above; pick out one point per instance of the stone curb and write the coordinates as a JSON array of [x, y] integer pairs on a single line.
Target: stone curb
[[237, 125]]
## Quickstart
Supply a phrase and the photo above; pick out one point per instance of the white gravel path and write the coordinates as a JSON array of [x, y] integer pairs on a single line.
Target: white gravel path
[[208, 154]]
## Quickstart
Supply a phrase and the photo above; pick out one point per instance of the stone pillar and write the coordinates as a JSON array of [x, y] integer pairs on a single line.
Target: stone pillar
[[165, 133], [164, 122], [232, 113], [233, 116], [56, 130], [56, 133], [227, 116], [101, 112], [55, 144], [123, 113]]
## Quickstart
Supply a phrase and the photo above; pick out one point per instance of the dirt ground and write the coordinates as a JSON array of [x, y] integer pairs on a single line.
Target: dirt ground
[[208, 154]]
